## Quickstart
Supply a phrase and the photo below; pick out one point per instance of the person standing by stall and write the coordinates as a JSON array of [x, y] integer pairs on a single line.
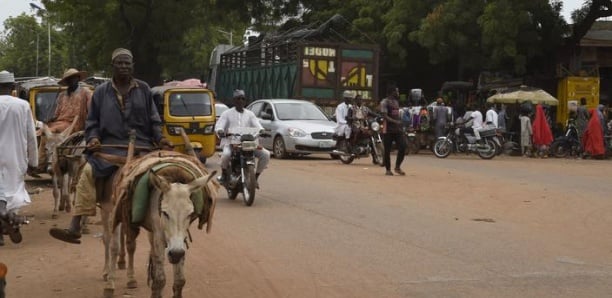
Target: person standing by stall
[[440, 117], [526, 133]]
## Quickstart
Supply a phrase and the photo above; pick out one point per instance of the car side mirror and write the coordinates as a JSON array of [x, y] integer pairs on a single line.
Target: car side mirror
[[266, 116]]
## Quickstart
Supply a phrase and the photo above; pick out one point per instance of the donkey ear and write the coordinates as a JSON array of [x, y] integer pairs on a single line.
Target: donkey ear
[[201, 182], [159, 182]]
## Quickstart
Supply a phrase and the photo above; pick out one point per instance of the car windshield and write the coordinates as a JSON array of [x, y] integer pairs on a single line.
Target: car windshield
[[45, 105], [299, 111], [190, 104]]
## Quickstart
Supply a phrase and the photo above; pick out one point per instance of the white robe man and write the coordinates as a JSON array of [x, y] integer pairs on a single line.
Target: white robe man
[[19, 150]]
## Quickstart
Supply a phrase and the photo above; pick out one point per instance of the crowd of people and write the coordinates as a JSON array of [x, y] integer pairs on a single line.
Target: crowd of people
[[532, 124]]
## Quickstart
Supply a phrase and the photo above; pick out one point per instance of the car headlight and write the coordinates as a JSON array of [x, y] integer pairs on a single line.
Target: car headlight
[[296, 132], [375, 126], [208, 129], [174, 130]]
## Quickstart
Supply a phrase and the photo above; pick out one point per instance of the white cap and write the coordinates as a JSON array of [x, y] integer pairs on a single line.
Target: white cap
[[347, 94], [238, 93], [6, 77]]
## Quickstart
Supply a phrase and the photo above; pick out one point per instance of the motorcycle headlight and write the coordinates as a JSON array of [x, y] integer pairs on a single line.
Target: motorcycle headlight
[[375, 126], [249, 145], [296, 132]]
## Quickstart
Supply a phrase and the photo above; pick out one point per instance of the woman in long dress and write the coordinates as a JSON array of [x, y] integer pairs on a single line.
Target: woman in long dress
[[526, 133]]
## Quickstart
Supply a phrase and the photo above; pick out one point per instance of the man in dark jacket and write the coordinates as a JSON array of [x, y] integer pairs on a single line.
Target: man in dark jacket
[[117, 106]]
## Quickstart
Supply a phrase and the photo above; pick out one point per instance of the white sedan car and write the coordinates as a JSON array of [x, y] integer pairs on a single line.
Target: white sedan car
[[297, 127]]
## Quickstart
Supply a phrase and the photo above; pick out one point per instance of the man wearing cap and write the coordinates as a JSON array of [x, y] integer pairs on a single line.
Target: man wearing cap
[[71, 103], [19, 151], [118, 106], [236, 117], [343, 128]]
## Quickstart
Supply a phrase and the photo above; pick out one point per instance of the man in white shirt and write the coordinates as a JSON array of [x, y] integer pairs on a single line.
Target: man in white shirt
[[236, 117], [343, 128], [19, 152], [475, 118], [491, 118]]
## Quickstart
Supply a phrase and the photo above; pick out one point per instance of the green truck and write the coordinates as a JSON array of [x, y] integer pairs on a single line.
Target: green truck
[[300, 64]]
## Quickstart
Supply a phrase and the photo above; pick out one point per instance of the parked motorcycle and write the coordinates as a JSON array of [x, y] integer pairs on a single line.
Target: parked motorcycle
[[368, 143], [241, 177], [567, 144], [456, 141]]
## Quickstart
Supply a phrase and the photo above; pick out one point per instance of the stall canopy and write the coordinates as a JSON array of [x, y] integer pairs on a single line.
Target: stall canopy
[[522, 94]]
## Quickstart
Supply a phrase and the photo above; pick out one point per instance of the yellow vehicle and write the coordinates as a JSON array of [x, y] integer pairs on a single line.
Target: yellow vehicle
[[41, 93], [193, 110], [572, 89]]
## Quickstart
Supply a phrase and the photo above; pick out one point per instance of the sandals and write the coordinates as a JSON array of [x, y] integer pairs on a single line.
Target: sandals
[[65, 235], [10, 228]]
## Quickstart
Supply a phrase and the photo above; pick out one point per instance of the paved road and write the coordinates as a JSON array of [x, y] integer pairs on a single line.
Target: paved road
[[455, 227]]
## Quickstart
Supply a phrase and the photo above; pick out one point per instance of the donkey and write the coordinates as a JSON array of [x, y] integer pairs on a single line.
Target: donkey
[[173, 179], [63, 169]]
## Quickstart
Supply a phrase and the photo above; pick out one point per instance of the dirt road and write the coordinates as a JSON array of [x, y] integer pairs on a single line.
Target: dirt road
[[455, 227]]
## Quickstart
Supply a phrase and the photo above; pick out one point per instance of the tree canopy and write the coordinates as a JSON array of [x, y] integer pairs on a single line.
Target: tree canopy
[[173, 39]]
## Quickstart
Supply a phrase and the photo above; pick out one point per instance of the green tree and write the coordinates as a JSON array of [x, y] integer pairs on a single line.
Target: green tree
[[169, 39]]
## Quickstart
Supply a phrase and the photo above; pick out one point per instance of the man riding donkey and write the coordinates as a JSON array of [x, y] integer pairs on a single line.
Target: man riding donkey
[[72, 103], [118, 106]]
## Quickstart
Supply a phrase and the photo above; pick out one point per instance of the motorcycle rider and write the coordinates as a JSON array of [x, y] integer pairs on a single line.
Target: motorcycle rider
[[236, 117], [476, 118], [357, 116], [343, 129]]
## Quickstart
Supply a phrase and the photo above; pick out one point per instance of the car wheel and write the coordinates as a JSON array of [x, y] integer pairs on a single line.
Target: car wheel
[[279, 149]]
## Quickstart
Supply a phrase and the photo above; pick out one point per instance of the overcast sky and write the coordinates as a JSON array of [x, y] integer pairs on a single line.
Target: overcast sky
[[13, 8]]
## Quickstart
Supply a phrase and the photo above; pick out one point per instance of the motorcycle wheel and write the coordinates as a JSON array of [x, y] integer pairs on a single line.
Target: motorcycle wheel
[[377, 158], [442, 148], [557, 149], [489, 151], [249, 185]]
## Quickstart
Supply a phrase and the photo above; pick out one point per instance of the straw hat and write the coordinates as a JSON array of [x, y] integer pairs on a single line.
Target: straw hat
[[70, 73]]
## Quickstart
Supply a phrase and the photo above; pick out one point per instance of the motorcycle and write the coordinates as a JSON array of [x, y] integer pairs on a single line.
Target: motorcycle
[[567, 144], [241, 176], [456, 141], [369, 142]]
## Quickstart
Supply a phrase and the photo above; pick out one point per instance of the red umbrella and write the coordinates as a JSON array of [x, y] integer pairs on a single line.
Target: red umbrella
[[542, 134]]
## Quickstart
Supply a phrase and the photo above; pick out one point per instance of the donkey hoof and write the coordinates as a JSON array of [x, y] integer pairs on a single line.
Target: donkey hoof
[[54, 216], [105, 276], [68, 208], [60, 208], [121, 265], [132, 284], [109, 293]]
